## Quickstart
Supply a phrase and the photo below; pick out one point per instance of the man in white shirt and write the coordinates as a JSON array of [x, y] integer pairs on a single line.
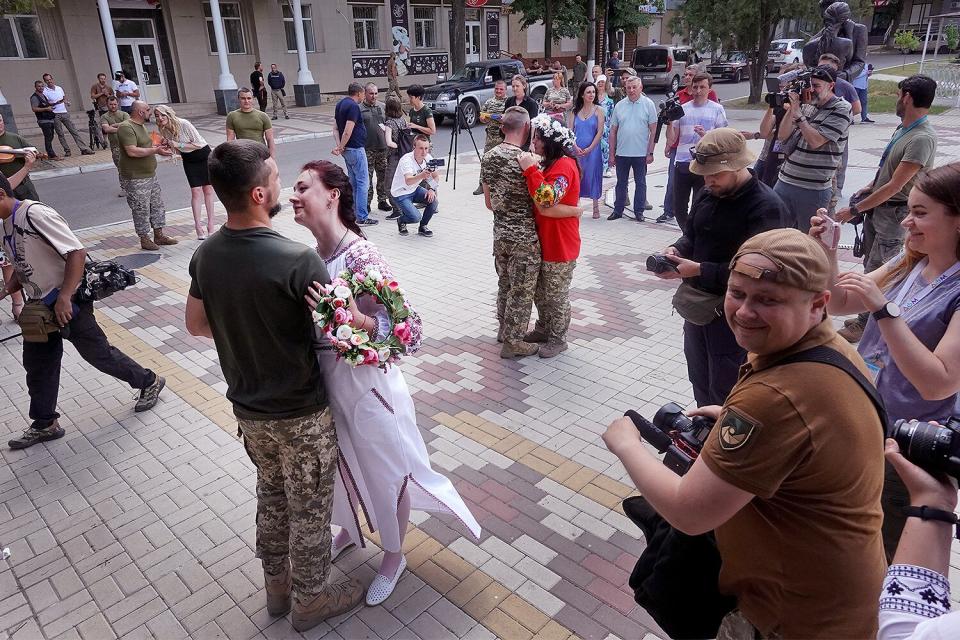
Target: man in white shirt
[[416, 181], [127, 91], [61, 117]]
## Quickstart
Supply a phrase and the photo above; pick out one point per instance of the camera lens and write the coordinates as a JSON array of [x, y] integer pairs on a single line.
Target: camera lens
[[670, 417], [924, 444]]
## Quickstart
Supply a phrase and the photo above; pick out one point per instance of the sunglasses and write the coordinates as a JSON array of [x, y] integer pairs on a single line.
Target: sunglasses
[[704, 158], [756, 273]]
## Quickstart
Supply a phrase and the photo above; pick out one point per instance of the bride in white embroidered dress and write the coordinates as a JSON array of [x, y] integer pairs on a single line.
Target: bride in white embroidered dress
[[384, 469]]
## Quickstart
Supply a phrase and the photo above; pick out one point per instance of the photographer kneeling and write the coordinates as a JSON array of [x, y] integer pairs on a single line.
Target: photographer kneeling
[[733, 206], [415, 182], [912, 340], [791, 473]]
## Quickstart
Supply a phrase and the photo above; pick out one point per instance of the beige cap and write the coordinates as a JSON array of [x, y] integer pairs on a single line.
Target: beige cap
[[723, 149], [801, 261]]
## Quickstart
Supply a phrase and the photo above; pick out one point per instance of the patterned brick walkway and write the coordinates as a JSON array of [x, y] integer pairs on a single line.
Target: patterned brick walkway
[[142, 526]]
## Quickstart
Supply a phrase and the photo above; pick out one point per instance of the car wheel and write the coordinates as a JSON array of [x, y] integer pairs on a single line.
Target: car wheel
[[437, 119], [675, 84], [468, 114], [943, 49], [738, 77]]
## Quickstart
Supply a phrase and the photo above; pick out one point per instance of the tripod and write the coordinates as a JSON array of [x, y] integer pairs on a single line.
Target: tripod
[[454, 137], [93, 128]]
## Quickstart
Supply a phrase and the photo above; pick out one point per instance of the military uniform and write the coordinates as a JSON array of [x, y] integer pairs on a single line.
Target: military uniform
[[494, 134], [553, 299], [376, 151], [295, 460], [516, 248], [807, 442]]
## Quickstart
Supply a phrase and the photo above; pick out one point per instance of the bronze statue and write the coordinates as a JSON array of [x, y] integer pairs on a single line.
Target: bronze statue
[[840, 36]]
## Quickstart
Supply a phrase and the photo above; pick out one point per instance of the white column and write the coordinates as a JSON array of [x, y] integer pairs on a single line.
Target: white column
[[226, 80], [303, 75], [107, 23]]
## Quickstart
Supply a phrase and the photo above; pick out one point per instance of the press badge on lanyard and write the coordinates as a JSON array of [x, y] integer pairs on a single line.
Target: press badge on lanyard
[[875, 363]]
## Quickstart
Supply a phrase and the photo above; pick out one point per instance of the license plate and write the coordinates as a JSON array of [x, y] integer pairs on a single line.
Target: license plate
[[647, 78], [431, 105]]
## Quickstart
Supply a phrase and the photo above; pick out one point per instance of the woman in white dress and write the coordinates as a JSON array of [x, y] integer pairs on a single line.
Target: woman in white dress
[[384, 469]]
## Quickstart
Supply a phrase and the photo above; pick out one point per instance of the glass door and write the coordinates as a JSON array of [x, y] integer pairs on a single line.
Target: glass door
[[472, 41], [139, 57]]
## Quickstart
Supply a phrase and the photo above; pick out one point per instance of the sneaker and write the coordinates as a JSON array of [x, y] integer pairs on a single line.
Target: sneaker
[[334, 600], [150, 395], [382, 587], [552, 349], [426, 233], [383, 205], [664, 218], [852, 332], [35, 434], [278, 589], [86, 152], [402, 227], [614, 216], [518, 350], [369, 222], [394, 215], [867, 121], [535, 336]]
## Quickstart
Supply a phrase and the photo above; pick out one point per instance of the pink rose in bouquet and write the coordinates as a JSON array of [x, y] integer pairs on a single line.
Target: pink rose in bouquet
[[370, 356], [403, 332], [342, 316]]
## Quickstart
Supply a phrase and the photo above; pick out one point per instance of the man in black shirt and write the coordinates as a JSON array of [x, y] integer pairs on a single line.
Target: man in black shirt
[[259, 86], [246, 292], [732, 207]]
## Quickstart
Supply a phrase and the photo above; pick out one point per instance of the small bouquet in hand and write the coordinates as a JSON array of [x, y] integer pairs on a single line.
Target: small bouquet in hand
[[333, 315]]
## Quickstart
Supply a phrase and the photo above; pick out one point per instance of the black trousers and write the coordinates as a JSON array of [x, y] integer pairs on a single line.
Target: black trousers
[[684, 184], [713, 360], [42, 362], [262, 100], [48, 129]]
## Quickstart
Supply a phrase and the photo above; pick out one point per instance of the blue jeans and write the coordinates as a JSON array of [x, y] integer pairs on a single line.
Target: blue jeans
[[801, 204], [862, 94], [410, 213], [668, 198], [639, 166], [356, 161]]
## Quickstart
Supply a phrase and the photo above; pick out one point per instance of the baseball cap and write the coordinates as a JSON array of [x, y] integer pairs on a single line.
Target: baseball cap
[[801, 261], [723, 149]]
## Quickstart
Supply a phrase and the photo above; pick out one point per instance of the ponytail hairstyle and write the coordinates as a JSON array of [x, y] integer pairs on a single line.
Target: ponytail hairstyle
[[942, 184], [333, 177]]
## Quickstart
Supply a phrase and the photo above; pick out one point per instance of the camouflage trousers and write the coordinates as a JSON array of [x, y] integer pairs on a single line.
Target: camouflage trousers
[[377, 162], [115, 153], [518, 265], [735, 626], [295, 460], [146, 205], [553, 299]]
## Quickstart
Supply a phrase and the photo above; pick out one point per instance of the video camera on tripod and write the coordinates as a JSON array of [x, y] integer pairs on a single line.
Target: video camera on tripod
[[797, 81], [669, 110]]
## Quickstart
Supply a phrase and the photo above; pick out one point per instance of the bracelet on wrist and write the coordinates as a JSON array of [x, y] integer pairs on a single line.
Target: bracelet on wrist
[[929, 513]]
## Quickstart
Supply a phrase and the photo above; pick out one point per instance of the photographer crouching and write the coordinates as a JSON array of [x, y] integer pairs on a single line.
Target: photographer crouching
[[790, 475], [733, 206], [48, 262], [415, 182]]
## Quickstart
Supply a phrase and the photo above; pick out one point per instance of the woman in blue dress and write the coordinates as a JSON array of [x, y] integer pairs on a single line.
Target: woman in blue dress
[[605, 91], [587, 123]]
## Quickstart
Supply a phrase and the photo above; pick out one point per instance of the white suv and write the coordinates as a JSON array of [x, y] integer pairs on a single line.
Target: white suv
[[784, 52]]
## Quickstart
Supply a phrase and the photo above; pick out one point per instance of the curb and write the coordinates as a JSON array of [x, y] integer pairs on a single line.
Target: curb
[[102, 166]]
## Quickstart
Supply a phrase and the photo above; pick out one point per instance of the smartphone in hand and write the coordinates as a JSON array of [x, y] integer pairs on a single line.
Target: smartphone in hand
[[830, 238]]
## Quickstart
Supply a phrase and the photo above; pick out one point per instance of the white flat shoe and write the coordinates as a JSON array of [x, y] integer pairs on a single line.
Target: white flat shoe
[[381, 587], [335, 551]]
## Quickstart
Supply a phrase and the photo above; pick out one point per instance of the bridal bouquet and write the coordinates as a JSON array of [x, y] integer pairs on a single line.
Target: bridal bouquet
[[356, 345]]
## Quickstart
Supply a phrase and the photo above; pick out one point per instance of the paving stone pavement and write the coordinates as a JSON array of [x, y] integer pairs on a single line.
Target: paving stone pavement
[[142, 525]]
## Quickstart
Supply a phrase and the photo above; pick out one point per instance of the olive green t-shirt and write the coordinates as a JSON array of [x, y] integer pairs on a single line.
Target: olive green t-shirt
[[129, 133], [114, 119], [917, 146], [252, 283], [249, 126]]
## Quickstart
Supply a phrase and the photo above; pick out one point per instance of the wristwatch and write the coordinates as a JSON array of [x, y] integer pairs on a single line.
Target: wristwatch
[[800, 119], [889, 310]]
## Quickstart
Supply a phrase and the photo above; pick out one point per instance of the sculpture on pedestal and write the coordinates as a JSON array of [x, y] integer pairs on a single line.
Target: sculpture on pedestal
[[840, 36]]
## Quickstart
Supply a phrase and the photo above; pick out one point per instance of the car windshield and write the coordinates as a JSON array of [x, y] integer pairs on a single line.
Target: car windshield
[[649, 58], [469, 74], [734, 56], [778, 46]]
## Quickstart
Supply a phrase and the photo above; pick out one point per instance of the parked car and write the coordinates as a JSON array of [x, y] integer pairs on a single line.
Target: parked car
[[732, 65], [473, 85], [783, 52], [661, 66]]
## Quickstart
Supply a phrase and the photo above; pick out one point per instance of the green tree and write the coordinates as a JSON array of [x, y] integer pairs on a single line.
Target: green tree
[[953, 37], [23, 6]]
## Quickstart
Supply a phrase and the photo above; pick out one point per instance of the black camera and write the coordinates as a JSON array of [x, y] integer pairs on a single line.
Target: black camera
[[673, 433], [669, 111], [434, 163], [103, 279], [776, 100], [799, 83], [661, 264], [933, 447]]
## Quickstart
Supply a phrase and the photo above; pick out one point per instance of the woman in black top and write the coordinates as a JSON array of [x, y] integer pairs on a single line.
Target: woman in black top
[[521, 99]]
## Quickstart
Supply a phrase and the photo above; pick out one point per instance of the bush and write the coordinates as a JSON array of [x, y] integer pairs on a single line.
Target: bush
[[953, 37], [906, 41]]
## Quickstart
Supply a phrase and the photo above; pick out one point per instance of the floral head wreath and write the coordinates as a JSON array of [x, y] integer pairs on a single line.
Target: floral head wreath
[[552, 128]]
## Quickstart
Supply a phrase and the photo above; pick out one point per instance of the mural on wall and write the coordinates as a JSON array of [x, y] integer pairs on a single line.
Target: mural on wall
[[493, 34], [407, 63]]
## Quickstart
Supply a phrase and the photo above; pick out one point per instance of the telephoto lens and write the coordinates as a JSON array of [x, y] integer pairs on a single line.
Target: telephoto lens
[[932, 447]]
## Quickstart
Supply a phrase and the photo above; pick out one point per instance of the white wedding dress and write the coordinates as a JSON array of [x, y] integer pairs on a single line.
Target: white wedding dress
[[382, 453]]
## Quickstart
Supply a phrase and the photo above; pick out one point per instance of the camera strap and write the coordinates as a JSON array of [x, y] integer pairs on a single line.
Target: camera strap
[[825, 355]]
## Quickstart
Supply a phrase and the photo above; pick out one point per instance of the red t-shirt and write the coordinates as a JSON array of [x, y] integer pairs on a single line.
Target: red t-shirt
[[559, 237]]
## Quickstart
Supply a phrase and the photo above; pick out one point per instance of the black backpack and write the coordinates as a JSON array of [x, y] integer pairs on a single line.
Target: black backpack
[[404, 140]]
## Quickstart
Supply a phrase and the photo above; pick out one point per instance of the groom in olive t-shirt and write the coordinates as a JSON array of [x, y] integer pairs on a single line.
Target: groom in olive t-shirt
[[247, 292]]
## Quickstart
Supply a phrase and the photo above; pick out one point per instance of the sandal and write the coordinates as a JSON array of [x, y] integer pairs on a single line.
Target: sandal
[[596, 210]]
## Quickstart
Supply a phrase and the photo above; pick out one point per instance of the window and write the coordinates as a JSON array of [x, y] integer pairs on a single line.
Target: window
[[232, 27], [365, 28], [21, 37], [425, 27], [307, 20], [919, 12]]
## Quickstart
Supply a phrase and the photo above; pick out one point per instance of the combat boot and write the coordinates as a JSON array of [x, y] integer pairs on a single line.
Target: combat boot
[[278, 591], [535, 336], [147, 244], [160, 238], [552, 349], [518, 349], [334, 600]]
